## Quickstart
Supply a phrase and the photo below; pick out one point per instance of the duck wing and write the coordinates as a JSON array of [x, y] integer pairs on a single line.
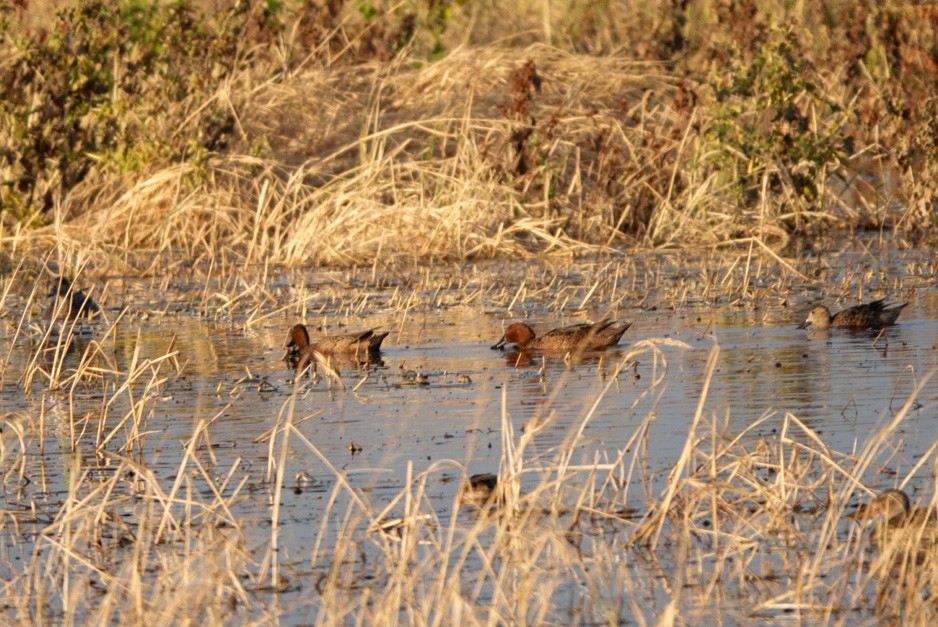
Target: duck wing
[[569, 331]]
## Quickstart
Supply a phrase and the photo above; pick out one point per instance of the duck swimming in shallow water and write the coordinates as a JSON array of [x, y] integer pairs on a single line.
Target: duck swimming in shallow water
[[68, 302], [874, 315], [300, 351], [897, 518], [895, 508], [586, 336], [479, 490]]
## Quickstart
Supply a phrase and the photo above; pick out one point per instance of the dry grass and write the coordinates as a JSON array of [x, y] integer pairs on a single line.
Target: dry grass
[[428, 163], [745, 528], [408, 166], [378, 166], [737, 527], [548, 143], [535, 133]]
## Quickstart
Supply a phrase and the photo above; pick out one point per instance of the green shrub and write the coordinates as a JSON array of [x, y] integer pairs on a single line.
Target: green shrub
[[106, 88], [771, 123]]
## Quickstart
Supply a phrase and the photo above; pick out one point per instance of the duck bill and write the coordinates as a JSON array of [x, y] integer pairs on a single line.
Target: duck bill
[[500, 343], [804, 325], [290, 357]]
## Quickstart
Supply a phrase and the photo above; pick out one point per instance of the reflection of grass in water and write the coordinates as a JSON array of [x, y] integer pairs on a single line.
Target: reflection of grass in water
[[737, 524]]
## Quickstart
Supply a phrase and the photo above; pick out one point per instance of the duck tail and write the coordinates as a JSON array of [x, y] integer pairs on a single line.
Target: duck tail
[[600, 328], [877, 305], [616, 332], [892, 314], [374, 343]]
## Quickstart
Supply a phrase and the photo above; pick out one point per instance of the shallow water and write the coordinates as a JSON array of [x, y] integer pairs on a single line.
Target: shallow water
[[841, 384]]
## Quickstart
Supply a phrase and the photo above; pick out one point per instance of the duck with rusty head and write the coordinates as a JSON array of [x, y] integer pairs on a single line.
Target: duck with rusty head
[[583, 337], [300, 351]]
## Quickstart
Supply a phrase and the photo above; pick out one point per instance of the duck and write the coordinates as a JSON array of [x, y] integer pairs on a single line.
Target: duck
[[896, 508], [875, 315], [909, 531], [478, 490], [300, 351], [584, 336], [68, 302]]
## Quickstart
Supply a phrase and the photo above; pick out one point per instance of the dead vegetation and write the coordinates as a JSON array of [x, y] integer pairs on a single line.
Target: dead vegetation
[[739, 524], [331, 140], [742, 523], [362, 137]]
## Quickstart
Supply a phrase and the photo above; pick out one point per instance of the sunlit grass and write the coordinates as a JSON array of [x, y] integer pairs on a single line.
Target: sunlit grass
[[366, 184], [737, 522], [489, 151]]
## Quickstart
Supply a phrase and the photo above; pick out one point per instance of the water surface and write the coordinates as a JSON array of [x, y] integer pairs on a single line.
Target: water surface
[[375, 428]]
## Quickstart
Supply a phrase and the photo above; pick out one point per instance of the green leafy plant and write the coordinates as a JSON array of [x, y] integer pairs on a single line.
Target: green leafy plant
[[766, 125], [99, 89]]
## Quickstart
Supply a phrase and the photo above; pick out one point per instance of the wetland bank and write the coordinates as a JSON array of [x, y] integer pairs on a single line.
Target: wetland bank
[[707, 172]]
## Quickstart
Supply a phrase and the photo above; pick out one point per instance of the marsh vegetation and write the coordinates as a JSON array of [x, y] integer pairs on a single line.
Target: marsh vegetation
[[346, 133], [161, 463], [704, 171]]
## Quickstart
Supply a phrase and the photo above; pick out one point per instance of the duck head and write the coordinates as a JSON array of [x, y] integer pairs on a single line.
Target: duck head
[[518, 334]]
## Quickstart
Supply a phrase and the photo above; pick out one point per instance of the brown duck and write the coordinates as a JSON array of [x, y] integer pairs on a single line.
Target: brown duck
[[479, 490], [300, 351], [912, 531], [896, 509], [586, 336], [68, 302], [874, 315]]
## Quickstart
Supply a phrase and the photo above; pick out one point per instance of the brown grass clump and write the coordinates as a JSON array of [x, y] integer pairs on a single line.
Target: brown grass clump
[[425, 180], [467, 176]]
